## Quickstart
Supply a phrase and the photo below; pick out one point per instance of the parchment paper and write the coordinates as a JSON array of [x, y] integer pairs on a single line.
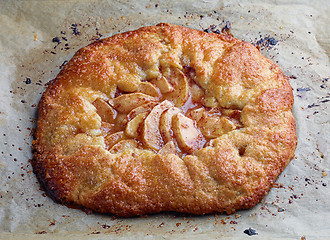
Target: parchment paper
[[37, 37]]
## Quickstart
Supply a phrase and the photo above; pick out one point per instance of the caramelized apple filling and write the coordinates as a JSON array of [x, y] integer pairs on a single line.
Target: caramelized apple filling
[[168, 114]]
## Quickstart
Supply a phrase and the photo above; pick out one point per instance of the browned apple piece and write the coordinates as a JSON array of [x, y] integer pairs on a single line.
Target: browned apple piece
[[212, 127], [127, 102], [149, 89], [234, 116], [180, 95], [162, 84], [196, 114], [104, 110], [107, 128], [228, 112], [169, 148], [229, 124], [151, 135], [165, 123], [120, 121], [112, 139], [133, 125], [141, 109], [124, 145], [187, 134], [210, 101], [197, 93]]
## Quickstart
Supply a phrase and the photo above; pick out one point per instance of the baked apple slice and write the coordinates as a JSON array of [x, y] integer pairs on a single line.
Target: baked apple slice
[[197, 93], [104, 110], [212, 127], [112, 139], [210, 101], [127, 102], [162, 84], [187, 134], [180, 84], [151, 135], [123, 145], [149, 89], [196, 114], [165, 123], [133, 126], [141, 109]]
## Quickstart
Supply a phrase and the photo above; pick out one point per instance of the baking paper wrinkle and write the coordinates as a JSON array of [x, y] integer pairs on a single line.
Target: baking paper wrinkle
[[26, 213]]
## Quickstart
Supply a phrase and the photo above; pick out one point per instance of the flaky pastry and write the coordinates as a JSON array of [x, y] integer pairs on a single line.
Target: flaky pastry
[[164, 118]]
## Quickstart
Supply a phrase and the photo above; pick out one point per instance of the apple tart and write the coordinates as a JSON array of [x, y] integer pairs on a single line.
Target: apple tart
[[164, 118]]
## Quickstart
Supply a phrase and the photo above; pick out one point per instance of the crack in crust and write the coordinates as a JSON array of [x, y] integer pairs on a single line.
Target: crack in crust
[[164, 118]]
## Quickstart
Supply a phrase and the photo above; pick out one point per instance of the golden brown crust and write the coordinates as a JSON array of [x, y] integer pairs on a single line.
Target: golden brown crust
[[209, 130]]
